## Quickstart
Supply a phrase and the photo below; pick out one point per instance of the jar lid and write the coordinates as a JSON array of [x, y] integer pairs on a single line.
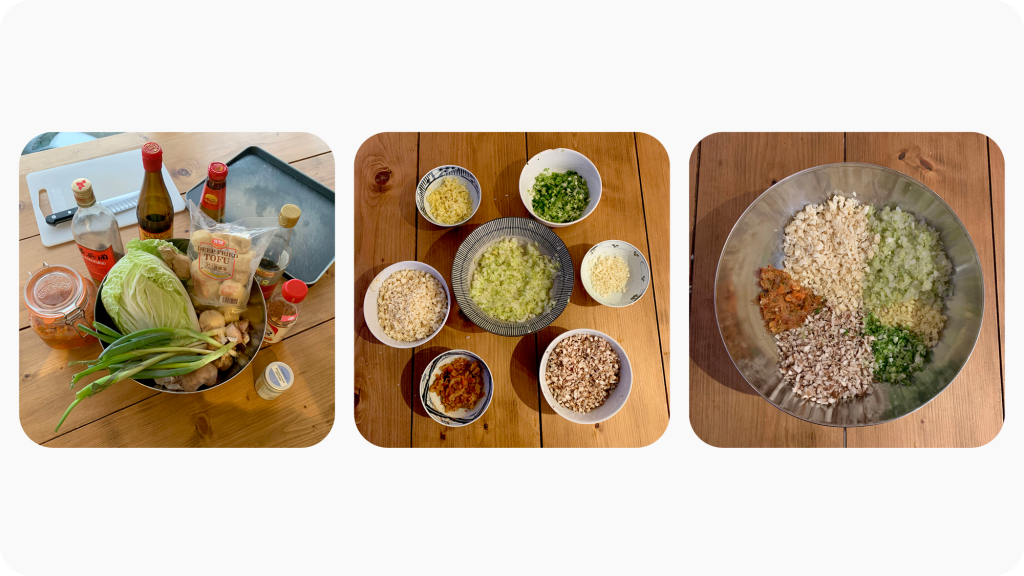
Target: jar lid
[[289, 216], [152, 157], [83, 192], [54, 290], [294, 291], [278, 376], [217, 172]]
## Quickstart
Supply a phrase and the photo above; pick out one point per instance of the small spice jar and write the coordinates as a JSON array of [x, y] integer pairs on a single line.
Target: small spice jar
[[275, 379], [58, 298]]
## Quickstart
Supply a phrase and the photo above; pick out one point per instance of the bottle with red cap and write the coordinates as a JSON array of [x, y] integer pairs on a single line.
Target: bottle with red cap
[[283, 310], [212, 202], [155, 212], [95, 230]]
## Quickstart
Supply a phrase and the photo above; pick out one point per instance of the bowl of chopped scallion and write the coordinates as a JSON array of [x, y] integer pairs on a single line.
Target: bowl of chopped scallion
[[560, 187]]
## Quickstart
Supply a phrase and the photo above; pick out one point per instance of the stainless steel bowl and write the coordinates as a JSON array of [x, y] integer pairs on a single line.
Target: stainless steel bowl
[[255, 313], [756, 241]]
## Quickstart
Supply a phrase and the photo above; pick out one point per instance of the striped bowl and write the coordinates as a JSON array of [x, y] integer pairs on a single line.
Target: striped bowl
[[526, 230], [432, 403]]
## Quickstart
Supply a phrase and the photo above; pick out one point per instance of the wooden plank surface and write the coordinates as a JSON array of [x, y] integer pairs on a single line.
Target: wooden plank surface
[[734, 170], [227, 415], [969, 412], [512, 420], [186, 156], [385, 233], [45, 375], [620, 216], [997, 174], [518, 416], [653, 161]]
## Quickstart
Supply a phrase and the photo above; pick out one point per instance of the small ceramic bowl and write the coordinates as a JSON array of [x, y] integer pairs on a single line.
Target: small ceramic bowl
[[639, 273], [370, 303], [560, 160], [612, 405], [432, 403], [435, 178]]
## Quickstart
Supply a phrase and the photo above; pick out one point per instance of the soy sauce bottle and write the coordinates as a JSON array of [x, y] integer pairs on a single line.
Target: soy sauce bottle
[[155, 212]]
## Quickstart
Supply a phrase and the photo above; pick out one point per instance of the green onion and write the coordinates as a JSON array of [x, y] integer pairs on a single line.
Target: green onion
[[560, 197]]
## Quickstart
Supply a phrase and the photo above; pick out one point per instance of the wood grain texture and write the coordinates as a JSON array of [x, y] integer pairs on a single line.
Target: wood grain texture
[[385, 233], [969, 412], [644, 417], [186, 156], [997, 174], [653, 161], [44, 395], [734, 170], [227, 415], [512, 420]]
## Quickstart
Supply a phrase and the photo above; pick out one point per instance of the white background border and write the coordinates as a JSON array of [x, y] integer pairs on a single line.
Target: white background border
[[675, 70]]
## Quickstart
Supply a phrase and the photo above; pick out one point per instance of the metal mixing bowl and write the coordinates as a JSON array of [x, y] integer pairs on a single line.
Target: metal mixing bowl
[[756, 241], [255, 312]]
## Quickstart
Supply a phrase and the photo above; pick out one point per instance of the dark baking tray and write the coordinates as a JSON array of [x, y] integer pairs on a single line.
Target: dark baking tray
[[258, 184]]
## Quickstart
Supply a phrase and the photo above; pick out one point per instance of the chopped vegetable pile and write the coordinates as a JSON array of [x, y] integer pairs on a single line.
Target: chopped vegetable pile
[[899, 353], [908, 263], [560, 197], [513, 281], [784, 304], [459, 384]]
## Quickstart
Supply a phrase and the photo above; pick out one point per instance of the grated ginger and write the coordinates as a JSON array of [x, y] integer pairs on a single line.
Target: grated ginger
[[449, 203]]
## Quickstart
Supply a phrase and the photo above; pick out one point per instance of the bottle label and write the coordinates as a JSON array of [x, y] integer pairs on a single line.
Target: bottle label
[[267, 290], [275, 334], [167, 235], [212, 199], [98, 262], [217, 259]]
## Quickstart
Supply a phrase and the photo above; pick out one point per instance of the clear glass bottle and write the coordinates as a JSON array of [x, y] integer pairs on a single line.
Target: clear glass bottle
[[95, 230], [155, 211], [279, 251], [283, 310]]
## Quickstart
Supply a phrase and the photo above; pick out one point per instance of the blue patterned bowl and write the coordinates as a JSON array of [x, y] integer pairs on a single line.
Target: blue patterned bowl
[[432, 403], [639, 273], [435, 178], [526, 230]]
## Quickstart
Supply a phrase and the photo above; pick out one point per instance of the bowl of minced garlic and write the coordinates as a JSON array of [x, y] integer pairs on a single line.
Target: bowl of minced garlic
[[448, 195], [615, 273]]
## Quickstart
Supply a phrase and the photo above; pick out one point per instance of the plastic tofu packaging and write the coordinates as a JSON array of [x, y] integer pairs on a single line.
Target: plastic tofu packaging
[[224, 259]]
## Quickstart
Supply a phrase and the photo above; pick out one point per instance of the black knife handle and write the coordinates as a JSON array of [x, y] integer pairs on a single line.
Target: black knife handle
[[59, 217]]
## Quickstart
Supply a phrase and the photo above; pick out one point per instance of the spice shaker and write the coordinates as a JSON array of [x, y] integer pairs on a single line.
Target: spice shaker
[[275, 379]]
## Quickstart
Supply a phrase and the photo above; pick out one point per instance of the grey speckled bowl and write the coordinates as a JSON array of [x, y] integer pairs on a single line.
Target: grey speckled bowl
[[756, 241]]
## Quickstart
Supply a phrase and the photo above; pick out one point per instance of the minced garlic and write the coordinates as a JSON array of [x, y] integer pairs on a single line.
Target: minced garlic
[[609, 274]]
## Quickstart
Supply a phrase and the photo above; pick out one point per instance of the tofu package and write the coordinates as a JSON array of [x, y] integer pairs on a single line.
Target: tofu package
[[224, 258]]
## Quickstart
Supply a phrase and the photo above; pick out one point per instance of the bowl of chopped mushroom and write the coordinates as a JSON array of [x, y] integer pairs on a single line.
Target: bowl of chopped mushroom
[[585, 376], [849, 295]]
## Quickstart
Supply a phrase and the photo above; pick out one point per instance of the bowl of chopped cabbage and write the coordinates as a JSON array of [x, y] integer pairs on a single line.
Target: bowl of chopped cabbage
[[512, 276], [560, 187], [756, 241]]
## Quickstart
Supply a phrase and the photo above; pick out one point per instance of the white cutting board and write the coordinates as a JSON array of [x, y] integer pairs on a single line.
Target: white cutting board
[[110, 176]]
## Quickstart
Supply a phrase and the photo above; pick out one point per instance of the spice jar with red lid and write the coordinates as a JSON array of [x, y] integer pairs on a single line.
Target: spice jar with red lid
[[58, 298], [283, 310]]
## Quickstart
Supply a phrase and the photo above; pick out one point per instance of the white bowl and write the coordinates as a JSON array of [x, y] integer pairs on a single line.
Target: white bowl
[[612, 405], [559, 160], [639, 273], [435, 178], [432, 402], [370, 303]]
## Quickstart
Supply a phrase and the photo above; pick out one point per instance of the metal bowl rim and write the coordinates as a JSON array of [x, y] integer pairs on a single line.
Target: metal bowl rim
[[847, 165]]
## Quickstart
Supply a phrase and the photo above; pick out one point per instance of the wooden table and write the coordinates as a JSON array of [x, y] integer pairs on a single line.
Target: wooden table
[[128, 414], [728, 171], [389, 229]]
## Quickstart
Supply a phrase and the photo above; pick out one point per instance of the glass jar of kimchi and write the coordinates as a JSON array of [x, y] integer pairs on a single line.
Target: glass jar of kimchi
[[58, 298]]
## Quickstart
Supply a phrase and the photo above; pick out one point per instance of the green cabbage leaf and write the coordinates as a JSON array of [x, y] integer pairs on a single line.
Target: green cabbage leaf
[[142, 292]]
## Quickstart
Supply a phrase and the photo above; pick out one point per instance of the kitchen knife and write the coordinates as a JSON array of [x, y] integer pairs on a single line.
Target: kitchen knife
[[116, 204]]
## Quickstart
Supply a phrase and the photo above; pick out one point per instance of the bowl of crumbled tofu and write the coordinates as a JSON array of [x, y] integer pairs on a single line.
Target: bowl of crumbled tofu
[[615, 273], [407, 304], [448, 196], [585, 376]]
